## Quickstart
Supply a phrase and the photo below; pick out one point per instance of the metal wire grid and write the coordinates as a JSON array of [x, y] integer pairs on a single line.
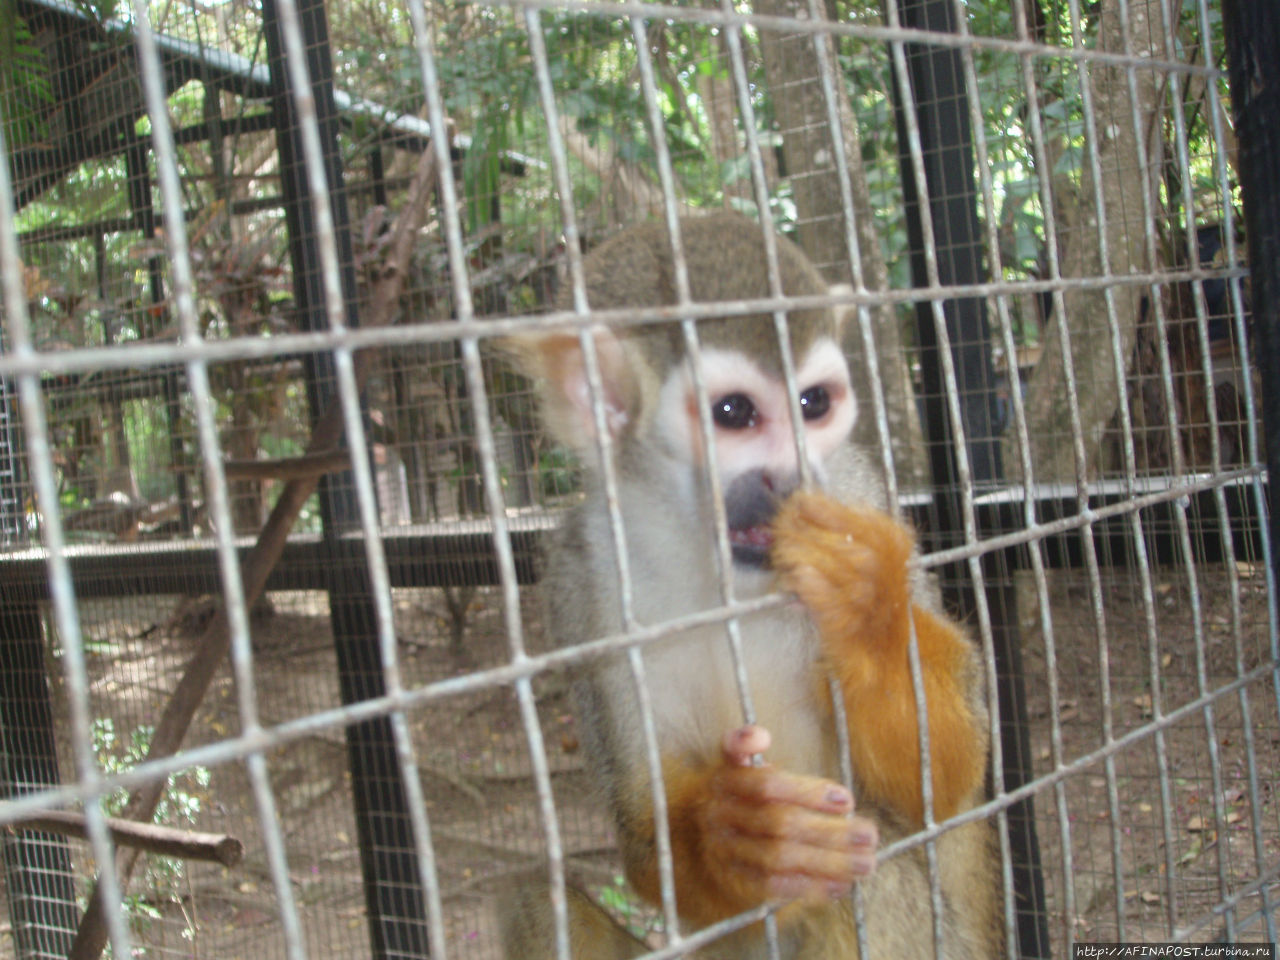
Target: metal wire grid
[[1215, 693]]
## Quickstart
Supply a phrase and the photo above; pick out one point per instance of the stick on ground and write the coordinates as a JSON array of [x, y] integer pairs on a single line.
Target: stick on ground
[[147, 837]]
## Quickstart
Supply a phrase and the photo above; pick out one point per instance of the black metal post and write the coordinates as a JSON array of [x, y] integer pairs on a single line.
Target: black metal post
[[942, 116], [42, 895], [393, 895], [1252, 29], [13, 514]]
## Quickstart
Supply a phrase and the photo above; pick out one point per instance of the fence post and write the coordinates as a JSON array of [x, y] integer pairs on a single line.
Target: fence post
[[1252, 29], [938, 85], [394, 898], [13, 514], [41, 887]]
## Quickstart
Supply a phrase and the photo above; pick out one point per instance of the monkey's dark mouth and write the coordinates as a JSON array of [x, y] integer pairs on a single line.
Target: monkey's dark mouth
[[751, 545], [750, 502]]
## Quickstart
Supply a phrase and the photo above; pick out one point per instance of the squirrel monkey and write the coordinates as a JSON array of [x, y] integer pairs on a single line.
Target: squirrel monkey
[[745, 832]]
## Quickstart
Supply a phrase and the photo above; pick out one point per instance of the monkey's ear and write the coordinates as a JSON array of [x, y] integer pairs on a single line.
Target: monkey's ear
[[556, 361], [842, 311]]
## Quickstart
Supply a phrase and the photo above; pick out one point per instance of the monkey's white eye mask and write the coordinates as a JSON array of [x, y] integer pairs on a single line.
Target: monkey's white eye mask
[[755, 446]]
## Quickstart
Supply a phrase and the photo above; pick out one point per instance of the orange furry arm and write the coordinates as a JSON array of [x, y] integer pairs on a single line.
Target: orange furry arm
[[849, 567]]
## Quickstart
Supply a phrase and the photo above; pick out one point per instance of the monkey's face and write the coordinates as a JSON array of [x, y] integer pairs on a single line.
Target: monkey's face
[[755, 443]]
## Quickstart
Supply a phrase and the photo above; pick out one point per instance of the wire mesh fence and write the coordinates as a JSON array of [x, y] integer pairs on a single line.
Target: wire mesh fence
[[277, 675]]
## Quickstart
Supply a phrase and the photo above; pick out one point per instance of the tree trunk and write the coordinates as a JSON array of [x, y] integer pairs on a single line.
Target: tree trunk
[[626, 195], [715, 87], [791, 65], [1097, 386]]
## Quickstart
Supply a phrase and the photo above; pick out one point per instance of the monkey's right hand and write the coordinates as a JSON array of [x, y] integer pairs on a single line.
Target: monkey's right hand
[[744, 834]]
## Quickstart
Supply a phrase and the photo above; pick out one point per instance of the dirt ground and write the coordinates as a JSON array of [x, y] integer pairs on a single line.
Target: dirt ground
[[1153, 856], [1132, 870]]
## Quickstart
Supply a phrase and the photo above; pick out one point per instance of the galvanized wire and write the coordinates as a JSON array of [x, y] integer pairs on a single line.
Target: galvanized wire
[[1131, 496]]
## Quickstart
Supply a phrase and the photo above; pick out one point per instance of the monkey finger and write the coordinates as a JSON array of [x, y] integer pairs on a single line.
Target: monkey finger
[[768, 785], [775, 858], [819, 513], [799, 886], [796, 825], [810, 524], [855, 836], [740, 745]]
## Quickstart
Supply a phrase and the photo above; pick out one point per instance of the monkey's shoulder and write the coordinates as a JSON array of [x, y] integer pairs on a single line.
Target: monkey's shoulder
[[579, 579]]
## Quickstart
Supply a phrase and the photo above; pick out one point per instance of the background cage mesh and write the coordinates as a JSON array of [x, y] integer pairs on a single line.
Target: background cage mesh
[[233, 233]]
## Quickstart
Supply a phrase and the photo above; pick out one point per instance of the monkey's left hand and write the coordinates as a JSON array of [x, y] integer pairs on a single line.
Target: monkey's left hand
[[743, 834], [848, 565]]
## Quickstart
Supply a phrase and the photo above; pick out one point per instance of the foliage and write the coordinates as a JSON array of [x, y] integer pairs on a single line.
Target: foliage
[[491, 89], [180, 805], [558, 473], [25, 91], [100, 11], [633, 914], [485, 65]]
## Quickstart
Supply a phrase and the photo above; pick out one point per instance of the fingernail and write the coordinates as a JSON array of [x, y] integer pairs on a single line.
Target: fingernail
[[864, 838], [864, 866], [838, 796], [837, 890]]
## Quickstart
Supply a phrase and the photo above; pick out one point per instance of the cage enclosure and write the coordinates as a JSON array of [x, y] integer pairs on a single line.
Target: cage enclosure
[[277, 675]]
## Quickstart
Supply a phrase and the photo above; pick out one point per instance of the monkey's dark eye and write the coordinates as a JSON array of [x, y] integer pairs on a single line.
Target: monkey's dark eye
[[734, 411], [814, 403]]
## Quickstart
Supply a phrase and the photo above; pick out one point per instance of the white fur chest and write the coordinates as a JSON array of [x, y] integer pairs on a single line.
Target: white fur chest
[[693, 685]]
